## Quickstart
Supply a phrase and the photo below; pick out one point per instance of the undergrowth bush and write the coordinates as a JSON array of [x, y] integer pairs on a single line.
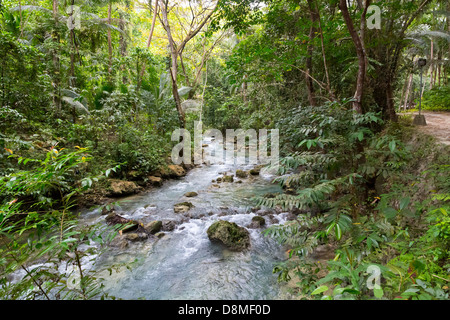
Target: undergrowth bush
[[380, 198]]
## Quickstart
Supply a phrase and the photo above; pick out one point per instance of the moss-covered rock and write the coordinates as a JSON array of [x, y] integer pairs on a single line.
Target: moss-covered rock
[[241, 174], [159, 235], [191, 194], [227, 179], [176, 171], [153, 227], [155, 181], [182, 207], [229, 234], [257, 222], [133, 237], [168, 225], [256, 170], [120, 188], [130, 225]]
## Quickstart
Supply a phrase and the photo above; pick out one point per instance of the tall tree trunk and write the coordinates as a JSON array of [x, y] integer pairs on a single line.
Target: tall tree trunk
[[72, 51], [408, 90], [405, 85], [244, 89], [325, 65], [149, 41], [55, 58], [110, 53], [360, 52], [123, 42], [439, 67], [309, 66], [174, 66], [431, 64], [21, 22]]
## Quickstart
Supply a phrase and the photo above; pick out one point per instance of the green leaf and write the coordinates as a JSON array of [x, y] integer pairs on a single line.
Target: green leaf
[[319, 290], [404, 203], [392, 145], [390, 212], [425, 296], [418, 265], [338, 231], [351, 291], [330, 227], [378, 292], [360, 135]]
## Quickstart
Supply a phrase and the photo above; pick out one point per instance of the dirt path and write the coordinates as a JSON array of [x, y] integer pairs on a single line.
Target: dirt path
[[438, 125]]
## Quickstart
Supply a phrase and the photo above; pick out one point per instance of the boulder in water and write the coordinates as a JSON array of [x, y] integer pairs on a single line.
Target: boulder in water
[[155, 181], [176, 171], [182, 207], [159, 235], [113, 219], [153, 227], [136, 236], [255, 171], [257, 222], [229, 234], [227, 178], [168, 225], [191, 194], [107, 210], [241, 174]]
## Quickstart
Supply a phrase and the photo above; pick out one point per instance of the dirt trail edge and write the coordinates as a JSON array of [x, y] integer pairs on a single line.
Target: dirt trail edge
[[438, 125]]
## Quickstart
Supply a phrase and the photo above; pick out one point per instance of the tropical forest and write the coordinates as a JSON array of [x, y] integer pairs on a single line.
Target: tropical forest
[[224, 150]]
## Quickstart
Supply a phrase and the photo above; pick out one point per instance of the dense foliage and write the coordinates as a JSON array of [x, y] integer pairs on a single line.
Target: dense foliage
[[84, 102]]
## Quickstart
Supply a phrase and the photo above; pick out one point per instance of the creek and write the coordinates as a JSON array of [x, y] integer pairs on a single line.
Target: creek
[[185, 264]]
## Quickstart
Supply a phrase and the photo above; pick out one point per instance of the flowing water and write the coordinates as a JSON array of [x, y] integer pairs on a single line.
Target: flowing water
[[184, 264]]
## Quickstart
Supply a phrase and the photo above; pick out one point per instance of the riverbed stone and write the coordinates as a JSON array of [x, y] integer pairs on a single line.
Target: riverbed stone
[[168, 225], [191, 194], [255, 171], [263, 212], [241, 174], [176, 171], [155, 181], [120, 188], [257, 222], [228, 178], [229, 234], [113, 219], [119, 242], [182, 207], [106, 210], [159, 235], [134, 237], [153, 227]]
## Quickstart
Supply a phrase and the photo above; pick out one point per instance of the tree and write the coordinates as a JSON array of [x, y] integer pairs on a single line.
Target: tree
[[198, 17], [386, 48], [358, 41]]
